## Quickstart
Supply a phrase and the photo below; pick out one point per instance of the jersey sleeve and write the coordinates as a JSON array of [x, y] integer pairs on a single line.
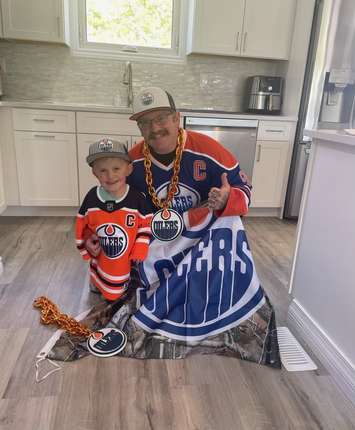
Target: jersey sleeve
[[239, 197], [141, 245], [82, 229]]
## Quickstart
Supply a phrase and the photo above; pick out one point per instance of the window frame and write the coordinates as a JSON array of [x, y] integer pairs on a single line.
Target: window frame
[[81, 47]]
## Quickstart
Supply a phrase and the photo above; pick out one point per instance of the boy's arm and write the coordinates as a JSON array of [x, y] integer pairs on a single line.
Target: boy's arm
[[140, 248], [80, 233]]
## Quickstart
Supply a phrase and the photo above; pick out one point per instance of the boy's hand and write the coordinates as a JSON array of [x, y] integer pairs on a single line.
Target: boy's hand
[[92, 245]]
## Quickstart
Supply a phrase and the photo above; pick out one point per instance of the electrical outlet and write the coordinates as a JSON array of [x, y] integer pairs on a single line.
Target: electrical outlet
[[3, 65]]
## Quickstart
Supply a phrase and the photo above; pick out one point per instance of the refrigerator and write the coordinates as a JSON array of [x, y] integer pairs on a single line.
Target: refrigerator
[[328, 76]]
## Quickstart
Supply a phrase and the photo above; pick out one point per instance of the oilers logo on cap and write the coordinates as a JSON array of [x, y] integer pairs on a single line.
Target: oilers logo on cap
[[105, 145], [113, 239], [147, 99]]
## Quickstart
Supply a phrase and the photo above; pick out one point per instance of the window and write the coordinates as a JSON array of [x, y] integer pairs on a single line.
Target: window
[[138, 29]]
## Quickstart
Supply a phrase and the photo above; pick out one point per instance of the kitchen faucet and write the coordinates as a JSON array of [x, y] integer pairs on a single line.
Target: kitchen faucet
[[127, 80]]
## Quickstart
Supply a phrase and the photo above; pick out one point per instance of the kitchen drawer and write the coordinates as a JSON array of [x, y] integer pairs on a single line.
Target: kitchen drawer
[[105, 123], [274, 130], [44, 120]]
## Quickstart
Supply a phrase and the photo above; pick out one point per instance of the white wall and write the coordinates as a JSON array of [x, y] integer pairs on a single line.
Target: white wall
[[323, 284]]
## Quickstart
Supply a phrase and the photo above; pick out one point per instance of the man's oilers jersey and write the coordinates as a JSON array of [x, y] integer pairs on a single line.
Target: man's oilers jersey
[[203, 162], [123, 229]]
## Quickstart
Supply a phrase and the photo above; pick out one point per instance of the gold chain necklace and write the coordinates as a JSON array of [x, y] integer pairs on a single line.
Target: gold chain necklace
[[160, 203]]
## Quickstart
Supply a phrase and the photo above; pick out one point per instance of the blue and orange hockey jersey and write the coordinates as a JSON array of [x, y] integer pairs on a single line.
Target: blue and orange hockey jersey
[[203, 162], [123, 229]]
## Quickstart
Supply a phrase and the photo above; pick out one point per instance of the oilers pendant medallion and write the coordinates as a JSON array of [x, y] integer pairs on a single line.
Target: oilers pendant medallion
[[106, 342], [167, 225]]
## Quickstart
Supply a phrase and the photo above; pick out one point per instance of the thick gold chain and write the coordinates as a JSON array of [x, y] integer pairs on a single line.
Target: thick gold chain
[[160, 203], [50, 314]]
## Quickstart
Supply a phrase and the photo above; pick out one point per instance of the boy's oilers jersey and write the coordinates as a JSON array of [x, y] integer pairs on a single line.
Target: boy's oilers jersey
[[202, 164], [123, 229]]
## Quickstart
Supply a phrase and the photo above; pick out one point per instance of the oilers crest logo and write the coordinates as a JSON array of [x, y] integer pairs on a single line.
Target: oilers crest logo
[[184, 199], [167, 225], [113, 239]]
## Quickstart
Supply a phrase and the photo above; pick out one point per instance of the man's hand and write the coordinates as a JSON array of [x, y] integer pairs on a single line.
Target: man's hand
[[92, 245], [218, 197]]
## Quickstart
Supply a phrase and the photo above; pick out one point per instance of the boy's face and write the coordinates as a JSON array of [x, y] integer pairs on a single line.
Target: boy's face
[[112, 174]]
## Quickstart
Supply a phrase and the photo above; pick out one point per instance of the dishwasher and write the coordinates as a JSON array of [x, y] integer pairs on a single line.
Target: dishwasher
[[236, 135]]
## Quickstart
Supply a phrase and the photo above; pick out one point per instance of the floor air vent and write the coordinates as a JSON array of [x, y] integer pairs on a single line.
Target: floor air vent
[[293, 356]]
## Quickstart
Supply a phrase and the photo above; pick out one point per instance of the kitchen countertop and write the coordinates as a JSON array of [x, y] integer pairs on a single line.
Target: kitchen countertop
[[335, 136], [91, 107]]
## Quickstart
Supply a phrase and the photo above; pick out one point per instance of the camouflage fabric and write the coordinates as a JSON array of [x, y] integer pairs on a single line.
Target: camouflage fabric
[[255, 339]]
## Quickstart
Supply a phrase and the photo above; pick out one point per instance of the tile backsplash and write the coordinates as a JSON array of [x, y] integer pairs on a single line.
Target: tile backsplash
[[36, 71]]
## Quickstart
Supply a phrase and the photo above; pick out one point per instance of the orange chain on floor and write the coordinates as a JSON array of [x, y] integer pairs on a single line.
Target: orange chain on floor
[[50, 314]]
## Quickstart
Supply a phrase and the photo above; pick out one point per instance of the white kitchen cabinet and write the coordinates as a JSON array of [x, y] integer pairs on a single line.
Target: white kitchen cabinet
[[86, 179], [42, 20], [47, 168], [248, 28], [216, 26], [270, 173]]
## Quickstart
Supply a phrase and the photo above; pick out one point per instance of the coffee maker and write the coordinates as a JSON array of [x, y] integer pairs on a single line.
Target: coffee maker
[[263, 94], [337, 97]]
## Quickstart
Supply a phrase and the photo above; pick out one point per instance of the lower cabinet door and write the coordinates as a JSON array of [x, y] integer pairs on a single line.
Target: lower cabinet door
[[47, 168], [269, 174], [86, 179]]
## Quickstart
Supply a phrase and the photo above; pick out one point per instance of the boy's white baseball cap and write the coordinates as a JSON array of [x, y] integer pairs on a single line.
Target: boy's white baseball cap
[[150, 99], [107, 148]]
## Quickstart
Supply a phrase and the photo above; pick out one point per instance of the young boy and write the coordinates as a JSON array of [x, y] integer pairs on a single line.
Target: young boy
[[119, 216]]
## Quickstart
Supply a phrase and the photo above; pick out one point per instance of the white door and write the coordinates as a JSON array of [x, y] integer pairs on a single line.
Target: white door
[[86, 179], [217, 27], [33, 20], [268, 28], [47, 168], [269, 173]]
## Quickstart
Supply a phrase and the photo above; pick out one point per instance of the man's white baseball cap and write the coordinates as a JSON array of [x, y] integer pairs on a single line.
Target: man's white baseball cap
[[151, 99]]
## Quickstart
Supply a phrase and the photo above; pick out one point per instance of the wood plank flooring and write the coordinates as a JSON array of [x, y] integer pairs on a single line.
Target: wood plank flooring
[[199, 393]]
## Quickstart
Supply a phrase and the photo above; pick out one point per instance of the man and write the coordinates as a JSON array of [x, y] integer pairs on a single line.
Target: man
[[208, 172], [199, 288]]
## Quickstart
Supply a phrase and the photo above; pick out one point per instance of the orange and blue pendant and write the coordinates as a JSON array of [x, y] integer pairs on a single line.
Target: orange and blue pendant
[[167, 225]]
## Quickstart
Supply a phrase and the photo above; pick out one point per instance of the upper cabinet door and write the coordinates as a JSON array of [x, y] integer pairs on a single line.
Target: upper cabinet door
[[41, 20], [216, 26], [268, 28]]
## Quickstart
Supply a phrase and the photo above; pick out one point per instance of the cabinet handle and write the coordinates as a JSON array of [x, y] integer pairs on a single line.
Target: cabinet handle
[[43, 120], [274, 131], [258, 158], [45, 136], [237, 42], [245, 41]]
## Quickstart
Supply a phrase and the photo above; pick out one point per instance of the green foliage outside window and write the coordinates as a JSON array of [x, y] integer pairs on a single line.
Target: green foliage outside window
[[145, 23]]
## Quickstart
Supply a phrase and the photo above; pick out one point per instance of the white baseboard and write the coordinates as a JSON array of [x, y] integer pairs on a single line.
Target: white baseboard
[[333, 359]]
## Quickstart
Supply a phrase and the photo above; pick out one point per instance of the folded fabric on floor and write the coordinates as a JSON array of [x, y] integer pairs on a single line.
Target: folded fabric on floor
[[198, 294]]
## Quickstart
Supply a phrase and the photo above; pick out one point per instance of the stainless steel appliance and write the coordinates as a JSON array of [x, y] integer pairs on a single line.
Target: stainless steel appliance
[[264, 94], [325, 54], [237, 135]]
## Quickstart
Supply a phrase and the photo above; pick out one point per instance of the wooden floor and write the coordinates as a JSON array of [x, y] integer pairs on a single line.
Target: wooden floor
[[199, 393]]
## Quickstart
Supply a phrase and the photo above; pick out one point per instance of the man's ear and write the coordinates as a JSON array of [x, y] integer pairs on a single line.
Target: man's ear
[[177, 117]]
